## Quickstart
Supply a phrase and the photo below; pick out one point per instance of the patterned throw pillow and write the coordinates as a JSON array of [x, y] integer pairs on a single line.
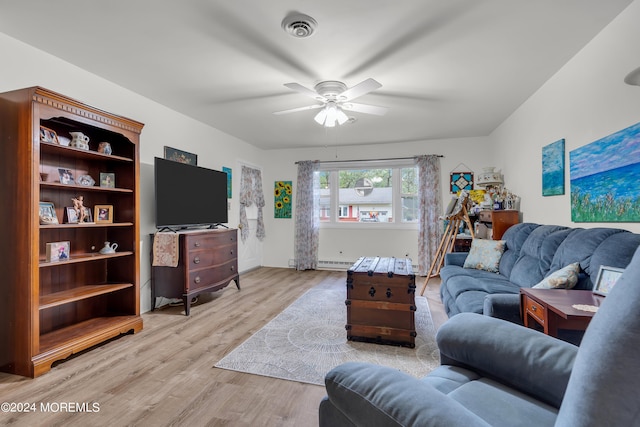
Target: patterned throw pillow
[[565, 278], [485, 255]]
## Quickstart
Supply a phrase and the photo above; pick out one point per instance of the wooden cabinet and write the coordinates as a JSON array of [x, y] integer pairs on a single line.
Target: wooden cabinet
[[51, 310], [381, 301], [208, 261], [497, 222]]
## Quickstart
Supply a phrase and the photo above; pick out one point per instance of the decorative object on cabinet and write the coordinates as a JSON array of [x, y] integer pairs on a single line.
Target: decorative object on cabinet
[[47, 214], [107, 179], [489, 178], [85, 180], [64, 141], [109, 248], [229, 181], [57, 251], [103, 213], [180, 156], [66, 176], [604, 176], [79, 140], [553, 169], [282, 195], [104, 148], [58, 309], [207, 262], [48, 135], [606, 279]]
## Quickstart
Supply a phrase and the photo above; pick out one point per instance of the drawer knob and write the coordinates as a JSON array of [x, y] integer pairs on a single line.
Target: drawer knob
[[232, 268], [197, 279], [231, 251], [372, 291], [196, 244], [534, 308], [196, 260], [389, 294]]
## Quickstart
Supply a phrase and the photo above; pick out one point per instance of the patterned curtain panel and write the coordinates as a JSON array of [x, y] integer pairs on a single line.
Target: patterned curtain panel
[[250, 193], [307, 216], [430, 209]]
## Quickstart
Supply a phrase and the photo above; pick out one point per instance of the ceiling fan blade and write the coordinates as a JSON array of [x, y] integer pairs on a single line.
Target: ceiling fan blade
[[360, 89], [363, 108], [305, 91], [295, 110]]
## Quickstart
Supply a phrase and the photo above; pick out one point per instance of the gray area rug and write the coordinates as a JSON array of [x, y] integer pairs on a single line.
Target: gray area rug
[[308, 339]]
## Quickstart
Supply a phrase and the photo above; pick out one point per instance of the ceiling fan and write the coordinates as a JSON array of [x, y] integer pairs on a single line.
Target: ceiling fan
[[334, 97]]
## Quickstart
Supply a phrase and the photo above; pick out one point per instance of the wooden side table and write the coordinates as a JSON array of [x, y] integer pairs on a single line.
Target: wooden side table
[[553, 308]]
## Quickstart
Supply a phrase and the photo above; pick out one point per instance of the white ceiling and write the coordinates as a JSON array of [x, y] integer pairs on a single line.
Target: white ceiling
[[448, 68]]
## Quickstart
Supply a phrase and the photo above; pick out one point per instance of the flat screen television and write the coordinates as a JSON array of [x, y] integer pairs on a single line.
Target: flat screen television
[[189, 196]]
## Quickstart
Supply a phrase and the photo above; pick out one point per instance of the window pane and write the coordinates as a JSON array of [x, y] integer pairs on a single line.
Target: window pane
[[409, 194], [409, 208], [409, 181], [325, 196], [366, 194]]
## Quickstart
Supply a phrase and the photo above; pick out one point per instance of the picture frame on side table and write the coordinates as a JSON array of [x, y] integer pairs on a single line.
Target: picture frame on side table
[[606, 279], [103, 214], [47, 214]]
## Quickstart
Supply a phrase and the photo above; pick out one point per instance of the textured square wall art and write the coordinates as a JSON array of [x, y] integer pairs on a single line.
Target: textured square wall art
[[604, 178], [553, 169], [460, 181], [282, 194], [228, 172]]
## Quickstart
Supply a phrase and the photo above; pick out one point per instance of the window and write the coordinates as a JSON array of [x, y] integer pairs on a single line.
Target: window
[[369, 193]]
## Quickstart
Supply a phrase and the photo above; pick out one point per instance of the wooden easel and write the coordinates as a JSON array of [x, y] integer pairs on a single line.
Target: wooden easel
[[448, 240]]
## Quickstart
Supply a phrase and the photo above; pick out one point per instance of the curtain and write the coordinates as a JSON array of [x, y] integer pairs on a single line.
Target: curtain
[[250, 193], [307, 216], [430, 204]]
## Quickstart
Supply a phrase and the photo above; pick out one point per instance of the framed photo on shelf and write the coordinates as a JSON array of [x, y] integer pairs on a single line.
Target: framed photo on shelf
[[58, 251], [48, 135], [606, 279], [66, 176], [103, 213], [72, 215], [47, 214], [107, 180]]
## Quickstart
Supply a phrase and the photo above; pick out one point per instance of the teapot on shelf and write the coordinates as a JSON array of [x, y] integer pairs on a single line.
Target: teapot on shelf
[[79, 140], [109, 248]]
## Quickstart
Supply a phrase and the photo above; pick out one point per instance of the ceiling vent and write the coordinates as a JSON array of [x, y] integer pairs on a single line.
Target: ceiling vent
[[299, 25]]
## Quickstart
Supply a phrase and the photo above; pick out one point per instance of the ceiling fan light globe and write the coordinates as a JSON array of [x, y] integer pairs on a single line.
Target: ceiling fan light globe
[[321, 116], [341, 117]]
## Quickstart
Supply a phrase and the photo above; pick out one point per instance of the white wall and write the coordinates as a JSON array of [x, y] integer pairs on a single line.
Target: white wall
[[585, 101], [25, 66], [341, 244]]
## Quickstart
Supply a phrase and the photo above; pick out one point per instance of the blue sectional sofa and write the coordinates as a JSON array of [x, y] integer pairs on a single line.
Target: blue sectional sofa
[[532, 252]]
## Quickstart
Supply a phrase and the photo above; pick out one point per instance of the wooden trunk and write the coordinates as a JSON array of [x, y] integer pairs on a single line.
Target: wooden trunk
[[381, 301]]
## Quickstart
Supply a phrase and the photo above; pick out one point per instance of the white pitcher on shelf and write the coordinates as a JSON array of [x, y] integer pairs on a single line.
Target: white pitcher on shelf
[[109, 248], [79, 140]]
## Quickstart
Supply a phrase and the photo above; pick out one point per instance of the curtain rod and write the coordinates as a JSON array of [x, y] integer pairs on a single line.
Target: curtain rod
[[366, 160]]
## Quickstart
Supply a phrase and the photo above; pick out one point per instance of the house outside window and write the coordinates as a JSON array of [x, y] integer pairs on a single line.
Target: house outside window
[[369, 194]]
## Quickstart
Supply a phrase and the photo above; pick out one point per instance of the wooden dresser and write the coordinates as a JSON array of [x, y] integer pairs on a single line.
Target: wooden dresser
[[381, 301], [208, 262], [498, 221]]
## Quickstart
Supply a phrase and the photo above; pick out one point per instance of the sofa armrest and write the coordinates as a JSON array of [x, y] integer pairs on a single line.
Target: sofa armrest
[[455, 258], [362, 394], [503, 306], [523, 358]]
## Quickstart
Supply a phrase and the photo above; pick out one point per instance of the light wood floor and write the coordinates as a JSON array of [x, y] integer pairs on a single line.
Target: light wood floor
[[164, 375]]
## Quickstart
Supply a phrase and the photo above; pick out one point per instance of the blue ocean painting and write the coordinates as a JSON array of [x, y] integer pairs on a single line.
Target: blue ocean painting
[[553, 169], [604, 178]]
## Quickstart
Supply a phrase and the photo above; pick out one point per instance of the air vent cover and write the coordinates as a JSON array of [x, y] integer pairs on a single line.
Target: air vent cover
[[299, 25]]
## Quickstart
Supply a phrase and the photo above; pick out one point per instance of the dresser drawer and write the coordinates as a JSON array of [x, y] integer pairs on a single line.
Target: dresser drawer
[[210, 240], [198, 259], [209, 277]]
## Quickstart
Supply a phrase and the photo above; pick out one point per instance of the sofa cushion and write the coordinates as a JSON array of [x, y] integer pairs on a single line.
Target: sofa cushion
[[515, 236], [485, 255], [565, 278], [536, 255]]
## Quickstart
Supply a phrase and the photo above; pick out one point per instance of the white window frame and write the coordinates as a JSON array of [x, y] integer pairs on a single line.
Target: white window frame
[[396, 182]]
